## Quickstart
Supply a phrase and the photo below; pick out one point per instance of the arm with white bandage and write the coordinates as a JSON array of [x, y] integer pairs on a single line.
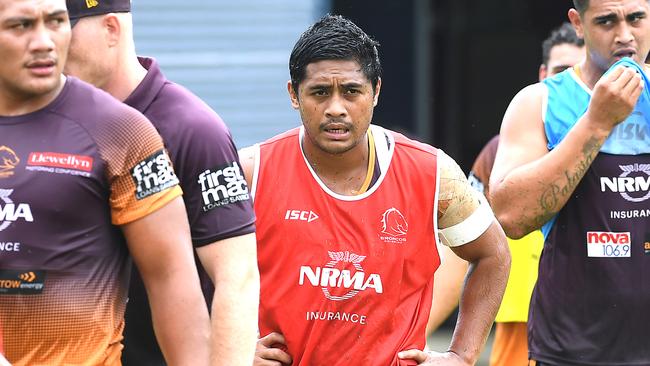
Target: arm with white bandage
[[467, 225]]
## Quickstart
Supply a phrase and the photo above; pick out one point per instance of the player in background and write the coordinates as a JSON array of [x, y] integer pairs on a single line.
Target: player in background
[[216, 196], [584, 133], [560, 51]]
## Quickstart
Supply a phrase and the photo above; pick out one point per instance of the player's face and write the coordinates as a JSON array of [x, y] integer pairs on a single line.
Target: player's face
[[89, 58], [34, 39], [613, 29], [561, 57], [336, 101]]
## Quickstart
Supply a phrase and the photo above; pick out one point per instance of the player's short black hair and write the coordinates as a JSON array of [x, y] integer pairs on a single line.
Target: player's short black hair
[[560, 35], [581, 5], [334, 37]]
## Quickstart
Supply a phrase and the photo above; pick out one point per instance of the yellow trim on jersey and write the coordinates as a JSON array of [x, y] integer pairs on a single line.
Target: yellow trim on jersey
[[576, 69], [371, 163]]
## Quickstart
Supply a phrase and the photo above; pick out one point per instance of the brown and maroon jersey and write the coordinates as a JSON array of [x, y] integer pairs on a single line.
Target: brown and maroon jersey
[[214, 190], [69, 174]]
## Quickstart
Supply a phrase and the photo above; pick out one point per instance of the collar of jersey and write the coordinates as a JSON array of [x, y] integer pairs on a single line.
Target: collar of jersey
[[384, 148]]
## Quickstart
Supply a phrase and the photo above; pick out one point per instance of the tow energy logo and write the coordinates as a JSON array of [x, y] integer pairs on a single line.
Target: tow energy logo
[[336, 278], [633, 184], [394, 226], [15, 282], [8, 162], [222, 186], [154, 174], [11, 212]]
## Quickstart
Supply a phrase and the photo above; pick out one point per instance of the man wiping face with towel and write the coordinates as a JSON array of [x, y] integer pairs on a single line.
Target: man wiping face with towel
[[574, 160]]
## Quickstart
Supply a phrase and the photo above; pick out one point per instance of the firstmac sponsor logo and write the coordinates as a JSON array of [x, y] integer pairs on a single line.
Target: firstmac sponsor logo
[[153, 174], [394, 226], [633, 184], [342, 278], [11, 212], [223, 185]]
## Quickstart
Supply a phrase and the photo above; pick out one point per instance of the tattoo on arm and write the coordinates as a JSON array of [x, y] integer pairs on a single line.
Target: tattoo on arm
[[559, 191]]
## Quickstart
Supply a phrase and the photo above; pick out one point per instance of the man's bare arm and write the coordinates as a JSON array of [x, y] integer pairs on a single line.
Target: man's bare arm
[[161, 248], [447, 287], [247, 158], [232, 265], [529, 184], [489, 259]]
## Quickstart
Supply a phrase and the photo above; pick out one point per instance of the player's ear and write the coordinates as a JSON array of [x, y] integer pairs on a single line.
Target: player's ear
[[576, 21], [112, 28], [293, 95], [377, 90], [543, 72]]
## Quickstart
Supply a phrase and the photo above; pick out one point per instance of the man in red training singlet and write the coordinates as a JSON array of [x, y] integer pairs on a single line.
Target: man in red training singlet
[[348, 218]]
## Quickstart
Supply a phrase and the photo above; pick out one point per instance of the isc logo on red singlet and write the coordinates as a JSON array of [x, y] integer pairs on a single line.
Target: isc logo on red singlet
[[308, 216], [336, 279]]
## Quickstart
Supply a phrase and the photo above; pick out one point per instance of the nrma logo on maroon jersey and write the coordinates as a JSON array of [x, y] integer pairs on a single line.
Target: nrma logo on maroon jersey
[[633, 184], [154, 174], [11, 212], [337, 280], [223, 185]]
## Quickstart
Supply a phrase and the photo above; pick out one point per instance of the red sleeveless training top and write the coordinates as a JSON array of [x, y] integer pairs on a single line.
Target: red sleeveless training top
[[346, 279]]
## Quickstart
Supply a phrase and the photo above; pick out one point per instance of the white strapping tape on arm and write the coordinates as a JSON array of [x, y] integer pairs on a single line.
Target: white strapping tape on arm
[[470, 228]]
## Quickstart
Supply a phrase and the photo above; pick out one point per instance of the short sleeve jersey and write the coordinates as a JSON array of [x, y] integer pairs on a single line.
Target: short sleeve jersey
[[346, 279], [214, 189], [590, 305], [69, 174]]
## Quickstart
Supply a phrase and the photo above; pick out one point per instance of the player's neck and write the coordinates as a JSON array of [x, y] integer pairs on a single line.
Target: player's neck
[[343, 173], [126, 77], [15, 104], [589, 73]]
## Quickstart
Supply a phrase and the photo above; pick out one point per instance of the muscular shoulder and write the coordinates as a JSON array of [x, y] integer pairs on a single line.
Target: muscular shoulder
[[110, 123], [179, 114], [457, 200], [528, 100]]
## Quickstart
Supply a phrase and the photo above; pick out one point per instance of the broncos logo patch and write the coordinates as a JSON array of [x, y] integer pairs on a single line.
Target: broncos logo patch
[[8, 162], [394, 223]]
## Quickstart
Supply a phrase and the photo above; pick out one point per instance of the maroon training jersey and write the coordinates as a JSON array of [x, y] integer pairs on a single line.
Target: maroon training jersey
[[214, 190], [70, 173], [346, 279]]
